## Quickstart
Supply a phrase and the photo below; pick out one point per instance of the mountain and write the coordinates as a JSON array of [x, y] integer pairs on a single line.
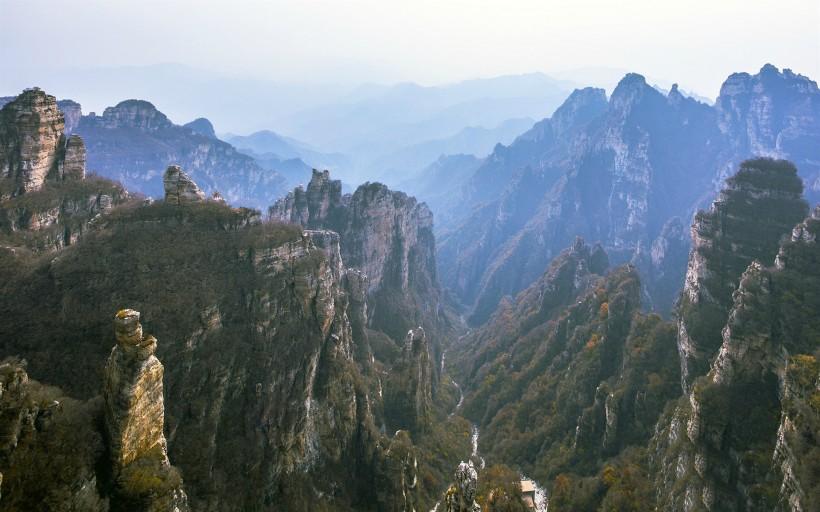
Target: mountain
[[265, 347], [627, 172], [201, 126], [744, 435], [387, 234], [266, 142], [570, 383], [133, 143], [228, 297]]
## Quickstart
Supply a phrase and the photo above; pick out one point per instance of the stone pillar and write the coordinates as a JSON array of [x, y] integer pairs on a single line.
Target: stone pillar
[[134, 407]]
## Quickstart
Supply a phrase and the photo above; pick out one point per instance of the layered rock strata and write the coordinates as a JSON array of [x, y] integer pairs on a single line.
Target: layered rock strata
[[135, 418], [33, 146]]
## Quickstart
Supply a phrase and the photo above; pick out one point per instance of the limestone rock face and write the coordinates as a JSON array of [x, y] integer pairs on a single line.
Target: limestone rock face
[[180, 189], [611, 175], [135, 410], [408, 402], [759, 205], [47, 202], [73, 165], [776, 114], [385, 234], [617, 172], [461, 495], [740, 440], [31, 140]]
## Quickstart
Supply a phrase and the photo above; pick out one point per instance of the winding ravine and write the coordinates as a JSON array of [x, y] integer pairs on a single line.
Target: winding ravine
[[541, 499]]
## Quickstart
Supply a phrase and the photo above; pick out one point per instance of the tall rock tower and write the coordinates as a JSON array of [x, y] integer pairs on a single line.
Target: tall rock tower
[[135, 418], [33, 145]]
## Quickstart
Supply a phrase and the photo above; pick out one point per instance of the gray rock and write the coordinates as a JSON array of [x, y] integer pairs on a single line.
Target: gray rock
[[180, 189]]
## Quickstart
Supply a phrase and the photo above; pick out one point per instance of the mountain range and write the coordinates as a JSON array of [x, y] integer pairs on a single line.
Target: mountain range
[[628, 171], [616, 310]]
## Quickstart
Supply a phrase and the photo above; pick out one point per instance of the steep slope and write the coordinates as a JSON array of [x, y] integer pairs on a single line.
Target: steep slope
[[746, 438], [571, 384], [561, 380], [386, 234], [758, 206], [133, 143], [264, 349]]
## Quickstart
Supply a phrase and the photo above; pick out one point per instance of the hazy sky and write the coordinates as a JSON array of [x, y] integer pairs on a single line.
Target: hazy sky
[[696, 42]]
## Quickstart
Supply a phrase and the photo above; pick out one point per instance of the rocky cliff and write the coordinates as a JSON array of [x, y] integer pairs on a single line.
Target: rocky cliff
[[460, 496], [134, 143], [389, 237], [575, 387], [408, 396], [33, 146], [179, 188], [772, 114], [733, 444], [261, 326], [758, 206], [46, 201]]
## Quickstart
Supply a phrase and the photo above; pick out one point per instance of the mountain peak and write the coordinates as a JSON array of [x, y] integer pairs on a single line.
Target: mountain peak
[[202, 126], [139, 114], [769, 69], [630, 90]]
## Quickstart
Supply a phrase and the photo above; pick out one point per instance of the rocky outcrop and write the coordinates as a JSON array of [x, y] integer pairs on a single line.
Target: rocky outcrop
[[46, 201], [460, 496], [135, 420], [408, 400], [385, 234], [759, 205], [33, 146], [134, 143], [137, 114], [105, 454], [180, 189], [73, 164], [733, 444]]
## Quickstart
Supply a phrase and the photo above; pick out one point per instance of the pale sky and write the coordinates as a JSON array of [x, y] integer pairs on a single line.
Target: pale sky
[[697, 42]]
